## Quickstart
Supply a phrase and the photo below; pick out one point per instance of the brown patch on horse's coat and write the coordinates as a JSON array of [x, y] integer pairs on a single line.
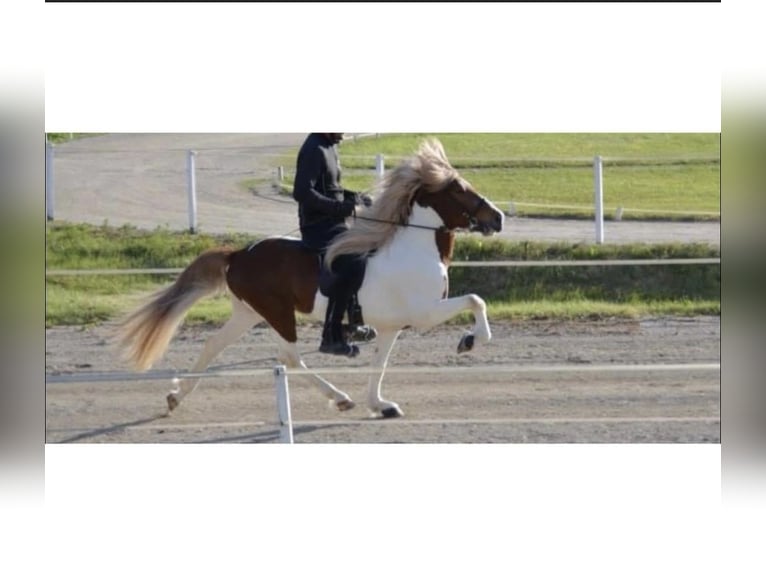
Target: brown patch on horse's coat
[[445, 243], [276, 278]]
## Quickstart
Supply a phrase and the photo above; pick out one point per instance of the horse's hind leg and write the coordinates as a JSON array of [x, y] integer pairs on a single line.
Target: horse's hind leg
[[242, 318], [289, 356]]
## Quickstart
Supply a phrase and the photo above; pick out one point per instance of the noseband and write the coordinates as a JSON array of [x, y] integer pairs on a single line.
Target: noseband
[[473, 222]]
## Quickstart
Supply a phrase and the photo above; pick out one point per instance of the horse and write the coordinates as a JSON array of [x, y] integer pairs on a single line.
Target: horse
[[408, 234]]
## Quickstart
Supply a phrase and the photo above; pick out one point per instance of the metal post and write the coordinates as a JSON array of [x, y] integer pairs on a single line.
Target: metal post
[[280, 173], [192, 189], [49, 181], [598, 193], [283, 405], [380, 167]]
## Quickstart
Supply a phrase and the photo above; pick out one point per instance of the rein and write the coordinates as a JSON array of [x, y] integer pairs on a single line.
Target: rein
[[428, 227], [473, 222]]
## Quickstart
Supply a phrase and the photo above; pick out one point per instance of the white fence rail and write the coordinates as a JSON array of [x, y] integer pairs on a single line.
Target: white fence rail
[[550, 263], [216, 373], [511, 209]]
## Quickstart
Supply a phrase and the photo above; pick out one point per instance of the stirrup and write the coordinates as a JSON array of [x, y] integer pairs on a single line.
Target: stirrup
[[339, 348], [360, 333]]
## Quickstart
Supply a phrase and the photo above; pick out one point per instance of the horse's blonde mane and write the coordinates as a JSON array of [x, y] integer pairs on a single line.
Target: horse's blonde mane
[[429, 170]]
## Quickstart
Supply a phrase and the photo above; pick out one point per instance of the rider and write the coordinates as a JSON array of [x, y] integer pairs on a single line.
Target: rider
[[323, 208]]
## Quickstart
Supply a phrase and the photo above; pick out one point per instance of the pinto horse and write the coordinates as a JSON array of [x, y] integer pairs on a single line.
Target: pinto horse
[[409, 236]]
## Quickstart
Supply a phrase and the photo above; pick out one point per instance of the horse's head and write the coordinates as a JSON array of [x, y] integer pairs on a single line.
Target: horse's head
[[428, 180], [460, 207]]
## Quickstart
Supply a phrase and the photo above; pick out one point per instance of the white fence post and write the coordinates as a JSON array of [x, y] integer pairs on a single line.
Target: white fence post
[[283, 405], [380, 166], [280, 173], [598, 194], [49, 181], [192, 190]]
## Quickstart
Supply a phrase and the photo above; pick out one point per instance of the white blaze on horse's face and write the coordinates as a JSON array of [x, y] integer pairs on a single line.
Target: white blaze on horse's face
[[460, 207]]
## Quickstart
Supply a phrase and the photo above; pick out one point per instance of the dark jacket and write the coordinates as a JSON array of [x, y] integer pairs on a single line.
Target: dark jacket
[[323, 203]]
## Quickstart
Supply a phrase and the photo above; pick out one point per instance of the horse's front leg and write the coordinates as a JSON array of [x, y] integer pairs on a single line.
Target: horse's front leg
[[446, 309], [375, 402]]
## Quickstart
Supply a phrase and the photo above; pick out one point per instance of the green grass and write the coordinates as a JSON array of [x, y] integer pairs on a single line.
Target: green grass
[[83, 308], [463, 149], [672, 190], [84, 246], [625, 285], [511, 293], [96, 298], [56, 138], [67, 306], [651, 176], [587, 292]]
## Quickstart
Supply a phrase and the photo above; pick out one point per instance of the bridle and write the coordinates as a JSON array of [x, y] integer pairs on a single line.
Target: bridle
[[473, 222]]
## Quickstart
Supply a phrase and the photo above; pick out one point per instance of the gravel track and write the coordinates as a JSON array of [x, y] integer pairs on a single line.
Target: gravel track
[[680, 406]]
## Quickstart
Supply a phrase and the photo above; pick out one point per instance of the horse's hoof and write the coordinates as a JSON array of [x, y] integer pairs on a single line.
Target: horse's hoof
[[345, 405], [466, 343], [392, 413], [172, 402]]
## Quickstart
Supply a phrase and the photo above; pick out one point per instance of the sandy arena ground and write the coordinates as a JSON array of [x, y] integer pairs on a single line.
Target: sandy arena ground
[[634, 406]]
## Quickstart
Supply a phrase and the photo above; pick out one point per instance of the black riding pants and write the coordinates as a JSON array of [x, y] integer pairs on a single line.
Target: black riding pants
[[349, 270]]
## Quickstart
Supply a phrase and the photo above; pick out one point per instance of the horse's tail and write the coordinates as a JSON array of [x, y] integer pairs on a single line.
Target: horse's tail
[[144, 335]]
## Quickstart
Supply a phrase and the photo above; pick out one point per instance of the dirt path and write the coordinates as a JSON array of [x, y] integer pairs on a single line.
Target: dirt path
[[140, 179], [514, 406]]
